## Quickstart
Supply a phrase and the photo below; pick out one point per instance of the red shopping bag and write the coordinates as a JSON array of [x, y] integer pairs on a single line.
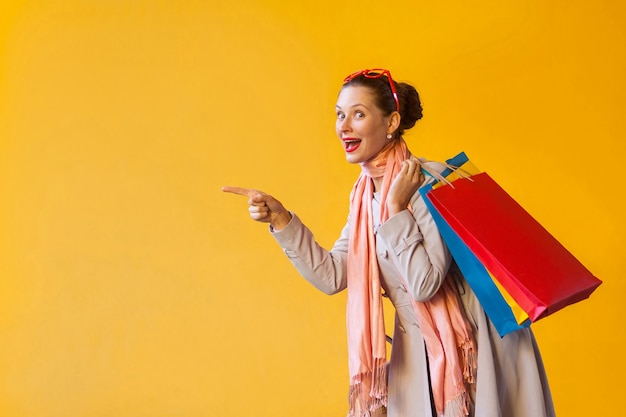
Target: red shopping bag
[[537, 271]]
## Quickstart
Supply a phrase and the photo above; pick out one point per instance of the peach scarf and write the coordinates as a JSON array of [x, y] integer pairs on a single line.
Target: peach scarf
[[447, 334]]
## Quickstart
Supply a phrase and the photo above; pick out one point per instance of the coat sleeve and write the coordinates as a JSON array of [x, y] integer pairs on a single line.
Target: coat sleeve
[[326, 270], [417, 249]]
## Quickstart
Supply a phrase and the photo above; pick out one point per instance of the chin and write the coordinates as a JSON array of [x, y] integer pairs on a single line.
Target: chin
[[352, 159]]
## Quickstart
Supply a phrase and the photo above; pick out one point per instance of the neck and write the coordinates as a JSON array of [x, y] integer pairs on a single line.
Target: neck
[[378, 183], [375, 167]]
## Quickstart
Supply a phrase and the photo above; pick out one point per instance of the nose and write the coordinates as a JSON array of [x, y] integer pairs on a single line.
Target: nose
[[344, 125]]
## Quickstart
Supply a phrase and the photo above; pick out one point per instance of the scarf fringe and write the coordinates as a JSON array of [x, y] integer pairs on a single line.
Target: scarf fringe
[[458, 406], [469, 360], [379, 380], [461, 405], [361, 404]]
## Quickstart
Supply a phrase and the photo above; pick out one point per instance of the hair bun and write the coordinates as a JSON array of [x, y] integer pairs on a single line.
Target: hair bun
[[411, 106]]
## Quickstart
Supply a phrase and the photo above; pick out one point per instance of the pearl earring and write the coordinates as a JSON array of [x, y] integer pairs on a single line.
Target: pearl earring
[[389, 135]]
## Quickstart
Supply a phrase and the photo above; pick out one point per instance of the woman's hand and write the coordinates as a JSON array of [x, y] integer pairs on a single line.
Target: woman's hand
[[404, 186], [263, 207]]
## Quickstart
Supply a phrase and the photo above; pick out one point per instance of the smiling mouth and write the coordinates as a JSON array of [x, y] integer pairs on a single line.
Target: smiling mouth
[[351, 144]]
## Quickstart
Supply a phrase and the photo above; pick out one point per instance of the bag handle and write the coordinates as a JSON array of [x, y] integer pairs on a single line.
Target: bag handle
[[453, 168]]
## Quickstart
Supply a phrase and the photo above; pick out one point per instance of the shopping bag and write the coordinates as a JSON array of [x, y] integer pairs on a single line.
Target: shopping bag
[[482, 283], [534, 268], [501, 309]]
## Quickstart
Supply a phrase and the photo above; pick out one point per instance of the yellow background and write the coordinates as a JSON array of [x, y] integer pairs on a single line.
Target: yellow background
[[130, 285]]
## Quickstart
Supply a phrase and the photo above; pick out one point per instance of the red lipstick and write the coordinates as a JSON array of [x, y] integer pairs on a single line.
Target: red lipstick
[[351, 144]]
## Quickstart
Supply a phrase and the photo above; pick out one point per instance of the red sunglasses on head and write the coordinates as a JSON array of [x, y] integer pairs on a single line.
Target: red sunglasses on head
[[377, 73]]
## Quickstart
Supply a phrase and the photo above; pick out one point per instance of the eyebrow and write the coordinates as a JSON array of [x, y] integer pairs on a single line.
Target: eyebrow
[[353, 106]]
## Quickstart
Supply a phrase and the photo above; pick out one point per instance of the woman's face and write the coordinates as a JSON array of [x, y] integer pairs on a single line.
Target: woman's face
[[360, 125]]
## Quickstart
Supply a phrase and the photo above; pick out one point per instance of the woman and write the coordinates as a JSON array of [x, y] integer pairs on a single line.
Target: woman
[[447, 359]]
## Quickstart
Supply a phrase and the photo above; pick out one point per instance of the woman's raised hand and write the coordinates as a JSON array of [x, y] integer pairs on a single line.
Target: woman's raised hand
[[404, 185], [263, 207]]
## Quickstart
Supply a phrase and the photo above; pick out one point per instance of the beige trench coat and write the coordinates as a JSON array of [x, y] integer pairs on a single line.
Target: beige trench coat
[[511, 380]]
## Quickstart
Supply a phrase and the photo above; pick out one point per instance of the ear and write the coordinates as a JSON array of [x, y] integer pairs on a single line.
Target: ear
[[393, 123]]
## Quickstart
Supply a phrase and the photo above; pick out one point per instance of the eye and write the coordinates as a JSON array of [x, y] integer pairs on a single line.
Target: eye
[[340, 115], [359, 114]]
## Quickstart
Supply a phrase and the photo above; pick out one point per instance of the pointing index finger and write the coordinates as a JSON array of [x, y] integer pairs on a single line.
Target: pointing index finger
[[240, 191]]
